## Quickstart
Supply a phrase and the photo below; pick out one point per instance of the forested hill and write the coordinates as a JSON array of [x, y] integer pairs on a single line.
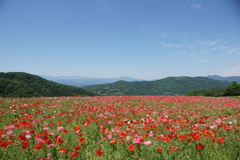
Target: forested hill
[[19, 84], [166, 86]]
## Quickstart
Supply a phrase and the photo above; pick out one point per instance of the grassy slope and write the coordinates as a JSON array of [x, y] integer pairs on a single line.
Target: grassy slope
[[166, 86], [19, 84]]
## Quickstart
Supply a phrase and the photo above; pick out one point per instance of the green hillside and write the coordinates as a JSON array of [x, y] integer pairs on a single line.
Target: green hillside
[[19, 84], [166, 86], [231, 90]]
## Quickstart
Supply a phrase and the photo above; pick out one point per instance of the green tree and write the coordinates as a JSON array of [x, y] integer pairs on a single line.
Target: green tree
[[232, 90]]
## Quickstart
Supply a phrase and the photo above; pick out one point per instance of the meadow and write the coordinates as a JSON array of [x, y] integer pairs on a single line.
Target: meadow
[[120, 128]]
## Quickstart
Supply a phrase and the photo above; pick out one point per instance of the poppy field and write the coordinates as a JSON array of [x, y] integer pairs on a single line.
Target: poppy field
[[120, 128]]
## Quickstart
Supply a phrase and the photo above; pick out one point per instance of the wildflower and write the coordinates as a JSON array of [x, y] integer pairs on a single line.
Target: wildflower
[[5, 144], [28, 136], [199, 146], [109, 136], [110, 122], [9, 127], [25, 144], [104, 138], [39, 140], [131, 147], [58, 139], [46, 128], [99, 152], [62, 150], [81, 139], [9, 132], [113, 141], [76, 128], [49, 154], [73, 153], [148, 142], [173, 148], [128, 138], [220, 139], [50, 145], [1, 131], [60, 129], [158, 137], [77, 147], [38, 146], [36, 120], [22, 137], [159, 149]]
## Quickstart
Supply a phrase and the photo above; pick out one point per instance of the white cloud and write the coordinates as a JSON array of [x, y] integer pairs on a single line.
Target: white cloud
[[220, 47], [234, 50], [168, 45], [207, 43], [200, 60], [195, 5]]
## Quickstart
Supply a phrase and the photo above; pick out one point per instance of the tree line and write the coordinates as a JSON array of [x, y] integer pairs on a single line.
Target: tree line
[[231, 90]]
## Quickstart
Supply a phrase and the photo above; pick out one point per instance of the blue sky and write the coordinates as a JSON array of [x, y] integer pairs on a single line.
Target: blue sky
[[147, 39]]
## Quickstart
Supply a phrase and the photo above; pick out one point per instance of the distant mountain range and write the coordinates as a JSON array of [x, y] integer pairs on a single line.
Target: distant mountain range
[[20, 84], [80, 81], [165, 86], [229, 79]]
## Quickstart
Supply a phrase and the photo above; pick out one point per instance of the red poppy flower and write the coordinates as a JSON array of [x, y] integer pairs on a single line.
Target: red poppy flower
[[159, 149], [113, 141], [81, 140], [199, 146], [25, 144], [5, 144], [76, 128], [220, 139], [62, 150], [173, 148], [1, 131], [73, 153], [99, 152], [42, 158], [158, 136], [59, 140], [77, 147], [131, 147], [38, 146]]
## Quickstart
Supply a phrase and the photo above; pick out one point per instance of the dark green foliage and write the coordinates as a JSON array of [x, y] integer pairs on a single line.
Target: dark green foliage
[[213, 92], [166, 86], [232, 90], [19, 84]]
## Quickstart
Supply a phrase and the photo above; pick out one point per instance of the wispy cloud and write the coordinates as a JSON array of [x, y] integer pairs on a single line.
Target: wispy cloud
[[168, 45], [234, 50], [109, 11], [195, 5], [221, 47], [207, 43], [200, 60]]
